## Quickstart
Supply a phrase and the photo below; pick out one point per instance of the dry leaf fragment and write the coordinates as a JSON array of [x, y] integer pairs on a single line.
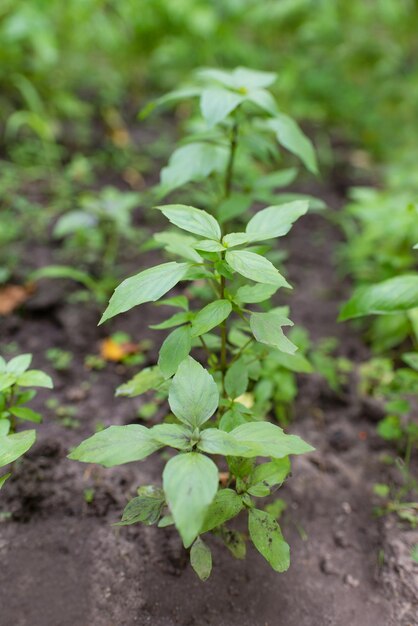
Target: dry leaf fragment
[[12, 296]]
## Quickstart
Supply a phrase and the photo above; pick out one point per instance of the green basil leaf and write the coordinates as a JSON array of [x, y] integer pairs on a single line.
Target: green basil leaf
[[190, 482], [193, 220], [3, 479], [267, 537], [226, 505], [252, 294], [14, 446], [275, 221], [255, 267], [116, 445], [6, 381], [236, 379], [201, 559], [291, 137], [266, 439], [35, 378], [208, 245], [172, 435], [269, 474], [174, 350], [145, 508], [266, 328], [210, 316], [264, 100], [148, 378], [390, 296], [179, 244], [179, 302], [26, 414], [217, 103], [147, 286], [214, 441], [175, 320], [19, 364], [194, 395], [192, 162]]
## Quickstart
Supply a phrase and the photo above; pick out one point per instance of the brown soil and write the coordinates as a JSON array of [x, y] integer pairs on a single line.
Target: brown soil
[[63, 564]]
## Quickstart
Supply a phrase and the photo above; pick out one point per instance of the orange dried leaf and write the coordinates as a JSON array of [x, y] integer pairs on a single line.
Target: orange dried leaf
[[111, 350], [12, 296]]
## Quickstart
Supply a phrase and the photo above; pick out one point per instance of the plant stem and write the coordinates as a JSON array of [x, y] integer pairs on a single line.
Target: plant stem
[[205, 346], [230, 166], [224, 332], [227, 192]]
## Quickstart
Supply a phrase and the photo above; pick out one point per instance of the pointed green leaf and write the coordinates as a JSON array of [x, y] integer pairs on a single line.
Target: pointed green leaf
[[173, 435], [208, 245], [190, 482], [146, 508], [174, 350], [293, 139], [214, 441], [201, 559], [255, 267], [266, 439], [24, 413], [19, 364], [14, 446], [194, 395], [226, 505], [252, 294], [179, 302], [264, 100], [35, 378], [148, 378], [275, 221], [116, 445], [193, 162], [268, 475], [267, 537], [3, 479], [389, 296], [179, 244], [175, 320], [6, 380], [210, 316], [236, 379], [217, 103], [239, 78], [193, 220], [233, 240], [147, 286], [267, 328]]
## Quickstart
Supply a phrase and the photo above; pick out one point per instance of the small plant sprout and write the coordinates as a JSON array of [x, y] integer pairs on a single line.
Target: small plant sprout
[[227, 458], [16, 381]]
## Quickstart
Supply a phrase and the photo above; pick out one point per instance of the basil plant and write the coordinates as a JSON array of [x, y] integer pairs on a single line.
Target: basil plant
[[226, 459], [16, 380]]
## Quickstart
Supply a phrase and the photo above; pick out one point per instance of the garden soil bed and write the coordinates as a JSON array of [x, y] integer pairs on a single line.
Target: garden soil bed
[[63, 564]]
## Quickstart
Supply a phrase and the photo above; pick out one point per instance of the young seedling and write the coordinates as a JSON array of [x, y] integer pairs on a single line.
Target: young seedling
[[210, 418], [96, 231], [15, 379]]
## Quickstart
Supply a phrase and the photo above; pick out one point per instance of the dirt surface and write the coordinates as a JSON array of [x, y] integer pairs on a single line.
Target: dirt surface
[[63, 564]]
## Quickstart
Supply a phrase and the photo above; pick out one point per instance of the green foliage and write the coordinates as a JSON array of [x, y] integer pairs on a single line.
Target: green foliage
[[15, 378], [208, 419]]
